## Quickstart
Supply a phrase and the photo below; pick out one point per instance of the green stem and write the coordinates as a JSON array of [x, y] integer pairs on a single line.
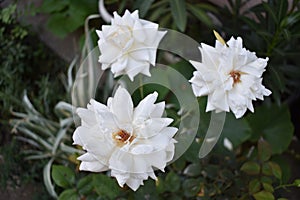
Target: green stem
[[273, 43], [284, 186], [141, 88], [181, 118]]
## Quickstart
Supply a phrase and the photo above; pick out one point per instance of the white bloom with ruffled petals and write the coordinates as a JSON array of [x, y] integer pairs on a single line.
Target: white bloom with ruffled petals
[[129, 44], [230, 75], [131, 142]]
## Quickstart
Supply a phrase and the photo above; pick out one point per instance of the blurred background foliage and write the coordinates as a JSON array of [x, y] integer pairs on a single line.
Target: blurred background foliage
[[264, 158]]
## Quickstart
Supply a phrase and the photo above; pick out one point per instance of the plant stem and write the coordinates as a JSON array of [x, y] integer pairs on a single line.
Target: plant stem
[[141, 87]]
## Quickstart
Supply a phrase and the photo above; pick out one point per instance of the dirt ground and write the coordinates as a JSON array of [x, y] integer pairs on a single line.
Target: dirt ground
[[24, 192]]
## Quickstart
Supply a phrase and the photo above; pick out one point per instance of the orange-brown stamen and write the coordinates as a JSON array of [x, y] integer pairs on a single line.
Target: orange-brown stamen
[[122, 137], [236, 76]]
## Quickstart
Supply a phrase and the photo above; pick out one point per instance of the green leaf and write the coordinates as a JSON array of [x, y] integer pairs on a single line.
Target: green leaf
[[278, 79], [192, 153], [165, 20], [105, 186], [63, 176], [150, 88], [64, 22], [143, 6], [264, 150], [251, 168], [237, 131], [263, 195], [273, 123], [254, 186], [266, 169], [268, 187], [276, 170], [184, 67], [160, 187], [265, 179], [57, 25], [200, 14], [147, 191], [179, 164], [282, 9], [85, 185], [6, 14], [285, 168], [191, 187], [53, 6], [270, 11], [290, 20], [297, 182], [172, 182], [212, 171], [192, 170], [178, 9], [157, 13], [69, 194]]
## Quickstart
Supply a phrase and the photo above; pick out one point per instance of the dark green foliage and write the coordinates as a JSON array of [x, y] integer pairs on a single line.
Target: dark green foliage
[[68, 15], [12, 173], [25, 65]]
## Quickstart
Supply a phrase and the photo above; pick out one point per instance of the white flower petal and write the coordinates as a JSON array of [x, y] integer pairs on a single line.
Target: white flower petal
[[94, 166], [134, 183], [119, 66], [140, 54], [162, 140], [109, 53], [136, 68], [215, 98], [88, 117], [142, 149], [152, 127], [158, 110], [138, 31], [122, 106], [146, 106], [96, 106], [146, 71], [90, 163], [158, 159]]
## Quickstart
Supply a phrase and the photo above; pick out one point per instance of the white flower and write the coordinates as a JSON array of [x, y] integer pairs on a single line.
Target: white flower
[[129, 44], [131, 142], [231, 77]]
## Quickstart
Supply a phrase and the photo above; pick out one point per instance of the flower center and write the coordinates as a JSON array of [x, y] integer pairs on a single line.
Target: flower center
[[236, 76], [122, 137]]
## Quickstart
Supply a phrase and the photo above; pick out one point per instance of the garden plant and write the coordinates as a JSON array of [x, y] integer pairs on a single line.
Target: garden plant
[[168, 99]]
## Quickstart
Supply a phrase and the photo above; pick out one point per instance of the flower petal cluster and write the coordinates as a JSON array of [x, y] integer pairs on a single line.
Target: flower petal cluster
[[129, 44], [231, 77], [131, 142]]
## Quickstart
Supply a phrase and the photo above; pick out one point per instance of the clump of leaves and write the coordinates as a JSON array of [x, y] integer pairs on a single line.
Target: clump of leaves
[[67, 16], [25, 64]]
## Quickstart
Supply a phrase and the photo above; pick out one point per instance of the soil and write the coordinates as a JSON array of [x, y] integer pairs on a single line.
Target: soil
[[24, 192]]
